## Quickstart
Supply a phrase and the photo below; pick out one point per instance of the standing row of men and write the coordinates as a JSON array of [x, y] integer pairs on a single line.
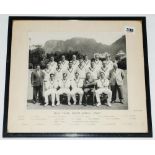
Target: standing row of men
[[78, 77]]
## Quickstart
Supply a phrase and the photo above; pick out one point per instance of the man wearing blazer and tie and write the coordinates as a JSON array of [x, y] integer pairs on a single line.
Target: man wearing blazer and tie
[[37, 78], [116, 77]]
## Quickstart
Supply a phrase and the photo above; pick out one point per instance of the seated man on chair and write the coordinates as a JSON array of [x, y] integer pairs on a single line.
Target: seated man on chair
[[102, 85], [77, 85], [64, 88], [50, 87], [89, 87]]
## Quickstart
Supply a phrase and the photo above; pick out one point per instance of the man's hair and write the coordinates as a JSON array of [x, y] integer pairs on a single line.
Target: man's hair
[[92, 60], [102, 72], [59, 62], [81, 57], [88, 73]]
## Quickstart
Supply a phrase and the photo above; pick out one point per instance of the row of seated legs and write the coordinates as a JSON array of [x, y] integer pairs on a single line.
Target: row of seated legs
[[88, 99]]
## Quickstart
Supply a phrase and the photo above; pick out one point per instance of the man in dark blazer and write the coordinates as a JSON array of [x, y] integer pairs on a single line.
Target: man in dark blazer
[[88, 87], [37, 78]]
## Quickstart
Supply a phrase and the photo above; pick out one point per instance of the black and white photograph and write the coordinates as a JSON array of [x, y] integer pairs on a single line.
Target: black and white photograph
[[77, 77], [77, 71]]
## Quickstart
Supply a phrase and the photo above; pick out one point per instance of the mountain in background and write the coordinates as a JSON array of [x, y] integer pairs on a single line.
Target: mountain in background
[[85, 46]]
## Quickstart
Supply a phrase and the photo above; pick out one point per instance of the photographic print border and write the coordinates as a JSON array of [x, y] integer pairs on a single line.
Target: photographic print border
[[67, 135]]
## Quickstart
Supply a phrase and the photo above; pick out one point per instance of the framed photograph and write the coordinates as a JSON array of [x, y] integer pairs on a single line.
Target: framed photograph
[[77, 77]]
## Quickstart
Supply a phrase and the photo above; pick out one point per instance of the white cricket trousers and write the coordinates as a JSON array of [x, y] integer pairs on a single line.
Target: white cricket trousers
[[105, 91], [77, 91], [51, 92]]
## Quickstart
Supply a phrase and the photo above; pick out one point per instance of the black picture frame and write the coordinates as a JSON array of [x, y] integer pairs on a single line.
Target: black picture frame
[[78, 135]]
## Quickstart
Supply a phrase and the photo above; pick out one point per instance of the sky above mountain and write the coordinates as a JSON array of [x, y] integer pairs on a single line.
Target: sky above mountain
[[37, 38]]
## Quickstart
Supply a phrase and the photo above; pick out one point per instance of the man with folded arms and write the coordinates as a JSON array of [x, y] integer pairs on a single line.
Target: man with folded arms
[[86, 62], [75, 61], [64, 88], [52, 64], [109, 63], [77, 85], [98, 62], [64, 63], [70, 71], [58, 71], [103, 87], [104, 69], [47, 71], [81, 69]]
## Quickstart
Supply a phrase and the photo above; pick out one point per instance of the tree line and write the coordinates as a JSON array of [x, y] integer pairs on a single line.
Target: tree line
[[39, 56]]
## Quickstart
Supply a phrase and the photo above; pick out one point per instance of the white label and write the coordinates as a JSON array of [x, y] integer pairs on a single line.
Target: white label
[[129, 29]]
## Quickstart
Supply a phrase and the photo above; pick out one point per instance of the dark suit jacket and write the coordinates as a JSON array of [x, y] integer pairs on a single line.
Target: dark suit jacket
[[36, 79], [89, 84]]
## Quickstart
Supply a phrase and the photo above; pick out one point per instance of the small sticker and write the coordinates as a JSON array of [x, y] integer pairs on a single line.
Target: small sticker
[[129, 29]]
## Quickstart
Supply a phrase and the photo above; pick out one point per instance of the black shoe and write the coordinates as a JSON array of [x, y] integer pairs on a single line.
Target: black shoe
[[85, 104]]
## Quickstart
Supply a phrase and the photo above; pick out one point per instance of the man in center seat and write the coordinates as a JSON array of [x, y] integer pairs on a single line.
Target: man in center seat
[[89, 88]]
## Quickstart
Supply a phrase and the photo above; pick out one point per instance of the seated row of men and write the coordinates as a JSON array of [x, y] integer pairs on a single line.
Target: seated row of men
[[76, 86], [83, 79]]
